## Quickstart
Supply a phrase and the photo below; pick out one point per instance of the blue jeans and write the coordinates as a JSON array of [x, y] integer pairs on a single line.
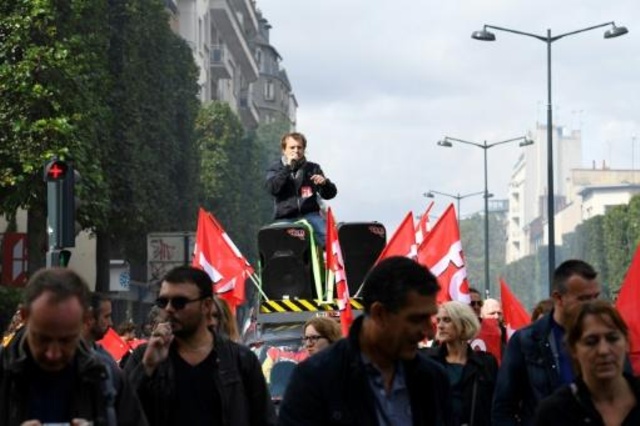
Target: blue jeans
[[318, 224]]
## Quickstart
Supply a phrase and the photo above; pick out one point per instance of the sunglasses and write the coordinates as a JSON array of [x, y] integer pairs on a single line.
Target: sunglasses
[[475, 303], [178, 302], [311, 339]]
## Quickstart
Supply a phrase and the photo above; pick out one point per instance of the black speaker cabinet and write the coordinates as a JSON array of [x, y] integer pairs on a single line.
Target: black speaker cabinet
[[285, 259], [361, 244]]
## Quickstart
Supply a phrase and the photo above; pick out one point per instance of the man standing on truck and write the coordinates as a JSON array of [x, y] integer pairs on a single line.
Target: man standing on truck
[[296, 184]]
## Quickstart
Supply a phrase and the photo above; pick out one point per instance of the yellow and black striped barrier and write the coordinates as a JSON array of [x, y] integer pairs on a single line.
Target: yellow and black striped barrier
[[302, 305]]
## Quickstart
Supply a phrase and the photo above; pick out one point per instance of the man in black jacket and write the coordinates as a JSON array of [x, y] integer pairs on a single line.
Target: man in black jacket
[[186, 375], [536, 362], [376, 376], [296, 183], [48, 374]]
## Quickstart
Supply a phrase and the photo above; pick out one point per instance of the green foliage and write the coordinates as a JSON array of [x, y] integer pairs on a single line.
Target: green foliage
[[616, 246], [472, 236], [232, 168], [150, 151], [52, 73]]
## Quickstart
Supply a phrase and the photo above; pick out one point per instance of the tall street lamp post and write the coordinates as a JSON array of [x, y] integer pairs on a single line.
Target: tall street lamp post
[[485, 35], [432, 193], [447, 142]]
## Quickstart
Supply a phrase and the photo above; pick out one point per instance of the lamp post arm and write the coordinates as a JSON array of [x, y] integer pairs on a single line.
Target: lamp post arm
[[519, 138], [554, 38], [509, 30], [548, 39], [447, 138]]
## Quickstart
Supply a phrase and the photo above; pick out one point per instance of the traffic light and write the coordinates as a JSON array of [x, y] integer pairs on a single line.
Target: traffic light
[[60, 178], [60, 258]]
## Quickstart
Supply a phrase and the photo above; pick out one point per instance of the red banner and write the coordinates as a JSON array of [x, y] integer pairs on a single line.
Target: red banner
[[14, 259]]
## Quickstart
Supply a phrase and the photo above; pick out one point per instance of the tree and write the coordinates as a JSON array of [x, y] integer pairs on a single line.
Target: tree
[[52, 79]]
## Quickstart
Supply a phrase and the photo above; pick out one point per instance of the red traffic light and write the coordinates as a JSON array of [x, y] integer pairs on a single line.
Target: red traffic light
[[55, 171]]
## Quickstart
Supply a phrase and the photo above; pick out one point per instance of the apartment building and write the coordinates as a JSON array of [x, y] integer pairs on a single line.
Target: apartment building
[[238, 65]]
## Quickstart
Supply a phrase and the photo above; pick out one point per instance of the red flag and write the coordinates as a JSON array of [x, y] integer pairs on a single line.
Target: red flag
[[628, 304], [515, 316], [219, 257], [489, 338], [336, 265], [422, 229], [114, 344], [442, 253], [403, 241]]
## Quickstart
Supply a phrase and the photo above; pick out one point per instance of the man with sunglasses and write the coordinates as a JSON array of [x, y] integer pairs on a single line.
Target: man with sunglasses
[[476, 301], [189, 374]]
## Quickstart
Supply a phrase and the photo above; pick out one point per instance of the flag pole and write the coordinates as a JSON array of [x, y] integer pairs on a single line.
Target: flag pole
[[258, 286]]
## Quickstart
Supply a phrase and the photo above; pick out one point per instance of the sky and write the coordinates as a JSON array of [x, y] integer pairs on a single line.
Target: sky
[[378, 83]]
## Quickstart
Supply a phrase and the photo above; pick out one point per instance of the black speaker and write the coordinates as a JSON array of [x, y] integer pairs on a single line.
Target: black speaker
[[361, 244], [285, 260]]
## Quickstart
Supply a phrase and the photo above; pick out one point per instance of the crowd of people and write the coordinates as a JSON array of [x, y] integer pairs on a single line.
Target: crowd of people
[[568, 367]]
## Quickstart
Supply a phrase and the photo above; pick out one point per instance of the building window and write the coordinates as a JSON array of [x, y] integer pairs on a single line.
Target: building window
[[269, 91]]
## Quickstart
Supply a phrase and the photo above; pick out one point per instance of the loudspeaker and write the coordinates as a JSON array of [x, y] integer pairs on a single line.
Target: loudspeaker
[[285, 259], [361, 244]]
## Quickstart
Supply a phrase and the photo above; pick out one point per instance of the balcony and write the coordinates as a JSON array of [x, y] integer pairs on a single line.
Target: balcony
[[219, 62], [226, 22], [248, 111]]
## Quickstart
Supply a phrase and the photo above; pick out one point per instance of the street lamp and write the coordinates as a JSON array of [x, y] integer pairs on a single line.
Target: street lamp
[[485, 35], [457, 197], [446, 142]]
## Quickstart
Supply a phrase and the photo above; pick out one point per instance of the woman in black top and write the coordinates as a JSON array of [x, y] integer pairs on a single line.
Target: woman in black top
[[472, 375], [598, 341]]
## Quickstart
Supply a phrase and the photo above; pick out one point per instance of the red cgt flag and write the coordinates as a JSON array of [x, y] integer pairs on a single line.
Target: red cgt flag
[[219, 257], [336, 265], [441, 252], [422, 229], [114, 344], [403, 241], [515, 315], [628, 304]]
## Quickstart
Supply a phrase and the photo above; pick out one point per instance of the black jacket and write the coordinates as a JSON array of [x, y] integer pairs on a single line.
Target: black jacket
[[293, 191], [528, 374], [572, 405], [90, 392], [332, 388], [240, 383], [478, 382]]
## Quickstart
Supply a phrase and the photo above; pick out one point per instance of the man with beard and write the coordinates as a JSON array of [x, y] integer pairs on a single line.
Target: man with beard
[[376, 376], [188, 375], [296, 184]]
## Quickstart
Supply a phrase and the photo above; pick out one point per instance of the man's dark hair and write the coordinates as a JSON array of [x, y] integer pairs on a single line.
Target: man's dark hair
[[392, 279], [569, 268], [191, 275], [95, 300], [475, 291], [64, 283]]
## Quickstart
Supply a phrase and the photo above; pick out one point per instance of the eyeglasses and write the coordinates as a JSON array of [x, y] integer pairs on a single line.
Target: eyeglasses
[[178, 302], [312, 339], [476, 303]]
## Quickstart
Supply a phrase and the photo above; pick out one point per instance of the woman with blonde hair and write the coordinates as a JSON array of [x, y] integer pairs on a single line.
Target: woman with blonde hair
[[472, 374]]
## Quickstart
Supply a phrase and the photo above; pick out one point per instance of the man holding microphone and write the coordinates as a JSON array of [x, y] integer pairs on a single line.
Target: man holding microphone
[[296, 183]]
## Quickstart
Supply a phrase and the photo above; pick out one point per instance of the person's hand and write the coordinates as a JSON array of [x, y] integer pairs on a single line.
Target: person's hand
[[318, 179], [31, 423], [158, 347], [81, 422]]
